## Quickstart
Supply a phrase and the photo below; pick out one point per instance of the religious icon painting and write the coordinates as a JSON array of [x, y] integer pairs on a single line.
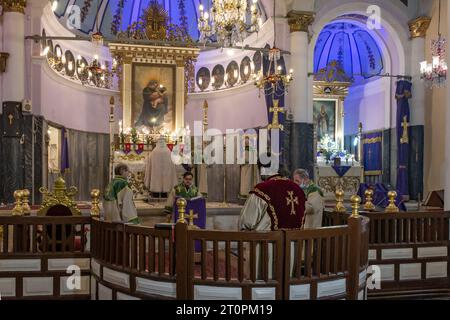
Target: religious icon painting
[[257, 61], [246, 69], [324, 114], [203, 78], [153, 97], [218, 76], [232, 75]]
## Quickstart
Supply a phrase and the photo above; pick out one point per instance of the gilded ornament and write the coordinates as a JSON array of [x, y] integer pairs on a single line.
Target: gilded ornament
[[356, 201], [339, 201], [392, 206], [60, 196], [18, 208], [419, 26], [26, 202], [14, 6], [95, 208], [300, 20], [369, 206]]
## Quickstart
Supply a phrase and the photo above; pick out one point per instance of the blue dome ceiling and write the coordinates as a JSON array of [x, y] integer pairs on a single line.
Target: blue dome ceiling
[[130, 11], [352, 46]]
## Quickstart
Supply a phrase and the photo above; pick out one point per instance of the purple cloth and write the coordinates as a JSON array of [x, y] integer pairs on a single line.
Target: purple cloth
[[198, 206], [341, 170]]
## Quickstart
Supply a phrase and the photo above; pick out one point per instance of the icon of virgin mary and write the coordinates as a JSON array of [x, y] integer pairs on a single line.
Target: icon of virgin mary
[[155, 105]]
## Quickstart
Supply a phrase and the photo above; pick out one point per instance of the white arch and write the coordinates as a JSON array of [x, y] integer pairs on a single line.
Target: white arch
[[394, 44]]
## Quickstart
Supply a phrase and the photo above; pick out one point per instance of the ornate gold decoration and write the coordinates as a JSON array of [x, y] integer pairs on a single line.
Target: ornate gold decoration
[[369, 206], [346, 184], [60, 196], [137, 182], [372, 140], [191, 216], [292, 201], [95, 209], [205, 115], [156, 20], [181, 204], [356, 201], [275, 120], [26, 202], [331, 82], [405, 124], [300, 20], [339, 193], [3, 58], [18, 208], [419, 26], [392, 207], [14, 5], [132, 157]]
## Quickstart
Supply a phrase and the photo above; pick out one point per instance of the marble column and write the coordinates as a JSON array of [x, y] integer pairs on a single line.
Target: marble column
[[447, 134], [300, 148], [418, 28], [13, 92]]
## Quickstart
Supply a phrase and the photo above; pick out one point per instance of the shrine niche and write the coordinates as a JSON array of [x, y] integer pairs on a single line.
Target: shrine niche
[[335, 167], [154, 81]]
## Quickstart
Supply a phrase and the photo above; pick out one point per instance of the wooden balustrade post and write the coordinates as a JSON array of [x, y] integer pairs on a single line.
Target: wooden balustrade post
[[181, 252], [355, 229]]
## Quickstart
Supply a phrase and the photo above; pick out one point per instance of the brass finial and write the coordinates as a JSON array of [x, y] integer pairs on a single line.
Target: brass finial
[[181, 204], [369, 206], [392, 207], [26, 202], [95, 208], [355, 200], [191, 216], [18, 208], [339, 201]]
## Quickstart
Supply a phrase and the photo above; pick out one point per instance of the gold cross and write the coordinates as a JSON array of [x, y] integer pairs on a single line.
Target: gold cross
[[291, 201], [10, 117], [404, 138], [275, 120], [191, 216]]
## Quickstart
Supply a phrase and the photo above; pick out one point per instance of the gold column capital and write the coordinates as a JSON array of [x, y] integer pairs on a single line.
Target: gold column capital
[[300, 20], [14, 5], [419, 26]]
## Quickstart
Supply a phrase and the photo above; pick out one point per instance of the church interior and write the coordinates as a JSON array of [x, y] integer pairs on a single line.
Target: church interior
[[224, 150]]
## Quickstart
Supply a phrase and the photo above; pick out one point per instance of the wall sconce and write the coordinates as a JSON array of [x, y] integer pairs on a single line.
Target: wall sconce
[[3, 57]]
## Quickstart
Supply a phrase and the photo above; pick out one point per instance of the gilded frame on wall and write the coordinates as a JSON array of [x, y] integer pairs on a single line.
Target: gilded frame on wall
[[153, 96]]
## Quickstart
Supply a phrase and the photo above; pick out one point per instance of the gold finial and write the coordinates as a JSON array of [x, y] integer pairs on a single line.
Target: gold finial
[[339, 201], [355, 200], [369, 206], [191, 216], [392, 207], [60, 196], [18, 208], [181, 204], [95, 208], [26, 202]]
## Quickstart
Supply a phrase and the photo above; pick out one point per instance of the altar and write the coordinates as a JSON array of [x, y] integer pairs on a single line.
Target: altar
[[345, 177]]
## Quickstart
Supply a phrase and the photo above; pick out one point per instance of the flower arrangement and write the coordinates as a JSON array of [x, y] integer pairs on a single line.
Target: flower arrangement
[[327, 147]]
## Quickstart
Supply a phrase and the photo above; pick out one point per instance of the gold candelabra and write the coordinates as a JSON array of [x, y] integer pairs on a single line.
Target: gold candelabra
[[181, 204]]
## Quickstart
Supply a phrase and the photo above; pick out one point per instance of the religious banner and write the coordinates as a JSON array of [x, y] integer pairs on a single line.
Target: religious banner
[[403, 94], [195, 210], [373, 153]]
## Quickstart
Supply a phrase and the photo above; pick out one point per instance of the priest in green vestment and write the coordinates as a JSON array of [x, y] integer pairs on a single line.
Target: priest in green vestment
[[185, 189], [314, 205], [118, 204]]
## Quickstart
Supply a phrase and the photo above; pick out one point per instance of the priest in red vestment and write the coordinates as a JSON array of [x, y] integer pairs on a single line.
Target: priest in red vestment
[[275, 204]]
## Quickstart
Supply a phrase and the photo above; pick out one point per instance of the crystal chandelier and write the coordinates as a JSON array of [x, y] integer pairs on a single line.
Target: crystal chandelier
[[276, 81], [435, 73], [230, 21]]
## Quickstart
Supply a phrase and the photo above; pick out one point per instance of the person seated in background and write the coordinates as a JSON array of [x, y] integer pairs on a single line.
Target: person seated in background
[[314, 199], [277, 203], [186, 189], [118, 204]]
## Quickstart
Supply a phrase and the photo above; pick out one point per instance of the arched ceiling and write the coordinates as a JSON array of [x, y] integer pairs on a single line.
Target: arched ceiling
[[122, 13], [352, 45]]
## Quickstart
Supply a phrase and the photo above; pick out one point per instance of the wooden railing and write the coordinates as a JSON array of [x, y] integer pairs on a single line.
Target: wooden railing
[[36, 252], [409, 250]]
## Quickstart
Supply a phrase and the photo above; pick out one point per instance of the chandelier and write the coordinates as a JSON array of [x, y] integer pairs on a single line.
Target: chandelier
[[276, 81], [230, 21], [435, 73]]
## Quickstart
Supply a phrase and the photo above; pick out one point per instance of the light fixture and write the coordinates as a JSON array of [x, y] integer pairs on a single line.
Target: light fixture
[[54, 5], [229, 21], [435, 73], [275, 81]]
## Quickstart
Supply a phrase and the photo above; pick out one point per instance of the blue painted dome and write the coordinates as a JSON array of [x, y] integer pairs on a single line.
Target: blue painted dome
[[122, 13], [352, 46]]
